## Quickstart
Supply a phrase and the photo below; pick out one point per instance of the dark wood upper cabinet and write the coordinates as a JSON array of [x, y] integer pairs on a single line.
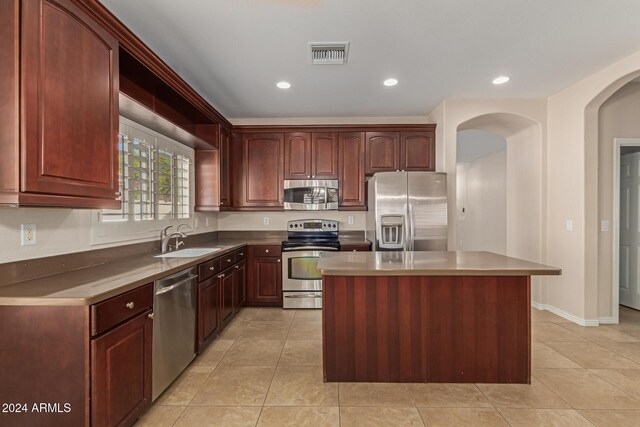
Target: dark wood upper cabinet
[[324, 155], [121, 373], [69, 96], [310, 155], [297, 155], [418, 151], [225, 167], [263, 166], [382, 152], [351, 169]]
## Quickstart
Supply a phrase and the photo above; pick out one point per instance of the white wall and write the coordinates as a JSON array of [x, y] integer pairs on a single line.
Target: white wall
[[572, 189], [619, 117], [60, 231], [482, 192], [278, 220]]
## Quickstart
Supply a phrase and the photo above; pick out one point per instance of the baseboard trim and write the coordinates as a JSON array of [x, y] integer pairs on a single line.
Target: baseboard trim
[[575, 319], [607, 320]]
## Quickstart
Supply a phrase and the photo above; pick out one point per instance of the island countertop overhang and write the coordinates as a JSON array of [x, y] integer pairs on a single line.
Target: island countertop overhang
[[432, 263]]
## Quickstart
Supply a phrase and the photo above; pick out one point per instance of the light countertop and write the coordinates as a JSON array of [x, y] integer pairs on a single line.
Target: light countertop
[[97, 283], [433, 263]]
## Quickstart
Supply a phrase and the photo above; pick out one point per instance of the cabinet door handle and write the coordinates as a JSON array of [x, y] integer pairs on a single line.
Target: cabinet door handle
[[237, 267], [221, 203], [118, 193], [150, 315], [278, 259], [266, 251], [130, 305]]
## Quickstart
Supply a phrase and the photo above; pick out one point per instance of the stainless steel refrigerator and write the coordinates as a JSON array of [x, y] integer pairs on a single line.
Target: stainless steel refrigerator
[[407, 211]]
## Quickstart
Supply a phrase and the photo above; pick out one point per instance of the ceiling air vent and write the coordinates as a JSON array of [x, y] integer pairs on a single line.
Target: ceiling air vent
[[329, 53]]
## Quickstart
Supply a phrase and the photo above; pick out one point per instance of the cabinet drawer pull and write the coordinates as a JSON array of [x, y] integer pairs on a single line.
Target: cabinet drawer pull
[[211, 268], [241, 254], [237, 267], [221, 276], [130, 305], [150, 315], [228, 259], [118, 193], [266, 251]]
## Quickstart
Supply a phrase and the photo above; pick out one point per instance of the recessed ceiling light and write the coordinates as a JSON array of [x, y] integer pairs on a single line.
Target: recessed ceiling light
[[283, 85], [390, 82], [500, 80]]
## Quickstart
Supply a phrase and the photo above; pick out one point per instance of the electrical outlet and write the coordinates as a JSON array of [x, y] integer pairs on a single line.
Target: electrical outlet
[[28, 234], [568, 225], [265, 220], [350, 219], [605, 225]]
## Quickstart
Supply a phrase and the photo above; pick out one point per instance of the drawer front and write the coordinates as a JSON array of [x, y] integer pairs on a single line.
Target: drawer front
[[208, 269], [109, 313], [241, 254], [355, 247], [270, 250], [227, 260]]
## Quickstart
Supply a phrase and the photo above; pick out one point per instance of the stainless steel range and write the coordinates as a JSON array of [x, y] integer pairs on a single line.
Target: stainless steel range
[[301, 279]]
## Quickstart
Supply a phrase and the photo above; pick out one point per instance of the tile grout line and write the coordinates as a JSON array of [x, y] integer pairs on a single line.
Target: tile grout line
[[205, 380], [275, 370]]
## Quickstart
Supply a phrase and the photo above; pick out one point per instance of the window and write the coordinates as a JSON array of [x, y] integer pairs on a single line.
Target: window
[[156, 178]]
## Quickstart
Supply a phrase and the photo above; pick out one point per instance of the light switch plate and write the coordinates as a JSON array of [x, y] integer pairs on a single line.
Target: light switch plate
[[604, 225], [568, 225], [28, 234]]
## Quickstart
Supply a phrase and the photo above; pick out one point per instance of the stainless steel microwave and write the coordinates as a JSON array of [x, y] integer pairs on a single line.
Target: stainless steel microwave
[[311, 194]]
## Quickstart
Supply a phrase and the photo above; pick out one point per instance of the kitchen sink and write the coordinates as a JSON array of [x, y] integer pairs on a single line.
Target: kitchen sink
[[189, 253]]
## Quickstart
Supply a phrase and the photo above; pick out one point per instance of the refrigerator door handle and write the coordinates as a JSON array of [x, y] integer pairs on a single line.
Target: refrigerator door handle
[[411, 230], [407, 231]]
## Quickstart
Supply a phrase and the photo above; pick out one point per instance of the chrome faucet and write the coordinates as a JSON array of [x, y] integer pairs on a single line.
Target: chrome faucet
[[165, 237]]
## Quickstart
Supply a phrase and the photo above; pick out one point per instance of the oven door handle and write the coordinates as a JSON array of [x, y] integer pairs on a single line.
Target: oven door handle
[[304, 296], [310, 248]]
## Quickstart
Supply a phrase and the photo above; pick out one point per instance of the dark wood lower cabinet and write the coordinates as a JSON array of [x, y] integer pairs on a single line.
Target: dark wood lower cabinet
[[435, 329], [355, 247], [240, 285], [208, 311], [265, 282], [121, 373], [227, 279]]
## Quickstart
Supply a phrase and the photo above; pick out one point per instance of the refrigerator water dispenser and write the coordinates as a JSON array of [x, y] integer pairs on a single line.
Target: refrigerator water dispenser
[[392, 231]]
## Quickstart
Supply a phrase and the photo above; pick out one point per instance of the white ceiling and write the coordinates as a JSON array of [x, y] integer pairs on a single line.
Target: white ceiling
[[234, 51]]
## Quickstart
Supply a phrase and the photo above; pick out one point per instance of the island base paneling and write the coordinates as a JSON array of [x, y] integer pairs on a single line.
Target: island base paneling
[[437, 329]]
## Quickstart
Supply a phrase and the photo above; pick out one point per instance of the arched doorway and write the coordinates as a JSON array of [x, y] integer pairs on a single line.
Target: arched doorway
[[609, 116], [522, 175]]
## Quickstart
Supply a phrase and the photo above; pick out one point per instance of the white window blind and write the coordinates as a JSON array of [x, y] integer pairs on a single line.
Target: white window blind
[[155, 175]]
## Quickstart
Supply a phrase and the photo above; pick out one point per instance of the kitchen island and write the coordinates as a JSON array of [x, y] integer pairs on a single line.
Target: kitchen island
[[447, 317]]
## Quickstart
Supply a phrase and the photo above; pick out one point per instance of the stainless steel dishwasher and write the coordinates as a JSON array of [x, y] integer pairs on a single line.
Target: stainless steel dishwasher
[[174, 327]]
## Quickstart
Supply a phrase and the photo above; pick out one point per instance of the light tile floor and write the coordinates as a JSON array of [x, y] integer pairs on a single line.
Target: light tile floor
[[266, 370]]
